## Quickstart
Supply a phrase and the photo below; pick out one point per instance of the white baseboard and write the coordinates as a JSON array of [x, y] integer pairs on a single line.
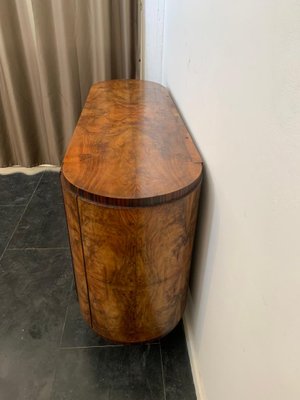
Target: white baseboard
[[190, 341], [28, 171]]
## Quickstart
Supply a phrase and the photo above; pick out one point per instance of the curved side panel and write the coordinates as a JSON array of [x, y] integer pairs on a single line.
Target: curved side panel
[[137, 263], [72, 215]]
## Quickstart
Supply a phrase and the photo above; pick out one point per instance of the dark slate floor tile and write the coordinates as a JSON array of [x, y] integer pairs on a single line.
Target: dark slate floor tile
[[178, 378], [77, 333], [16, 189], [42, 225], [114, 373], [27, 374], [9, 217], [47, 352], [49, 189], [34, 287]]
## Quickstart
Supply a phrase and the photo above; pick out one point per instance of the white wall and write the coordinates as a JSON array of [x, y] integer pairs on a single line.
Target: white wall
[[152, 39], [233, 69]]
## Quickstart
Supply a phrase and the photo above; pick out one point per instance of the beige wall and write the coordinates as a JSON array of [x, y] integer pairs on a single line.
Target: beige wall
[[233, 69]]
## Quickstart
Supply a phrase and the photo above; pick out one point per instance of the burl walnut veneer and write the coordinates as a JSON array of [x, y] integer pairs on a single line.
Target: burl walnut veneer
[[131, 180]]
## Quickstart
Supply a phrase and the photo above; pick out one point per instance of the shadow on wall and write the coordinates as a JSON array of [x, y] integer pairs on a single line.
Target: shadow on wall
[[204, 251], [205, 242]]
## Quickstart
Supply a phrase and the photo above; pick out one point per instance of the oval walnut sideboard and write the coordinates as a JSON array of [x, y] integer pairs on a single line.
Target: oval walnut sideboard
[[131, 180]]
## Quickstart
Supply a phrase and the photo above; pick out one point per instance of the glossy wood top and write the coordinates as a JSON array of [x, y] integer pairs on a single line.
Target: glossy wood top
[[131, 147]]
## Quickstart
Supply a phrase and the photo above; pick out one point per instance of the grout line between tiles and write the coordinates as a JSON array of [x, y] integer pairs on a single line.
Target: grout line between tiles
[[12, 205], [38, 248], [61, 336], [162, 372], [66, 313], [103, 346], [18, 223], [91, 347]]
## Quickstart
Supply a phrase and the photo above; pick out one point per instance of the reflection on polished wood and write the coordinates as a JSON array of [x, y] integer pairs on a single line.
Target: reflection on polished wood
[[131, 181]]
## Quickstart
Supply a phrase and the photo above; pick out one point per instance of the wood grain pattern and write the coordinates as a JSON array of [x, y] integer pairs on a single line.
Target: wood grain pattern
[[131, 147], [131, 181], [137, 263]]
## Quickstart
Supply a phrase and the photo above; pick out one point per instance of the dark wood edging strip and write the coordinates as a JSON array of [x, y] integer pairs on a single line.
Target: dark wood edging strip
[[142, 202]]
